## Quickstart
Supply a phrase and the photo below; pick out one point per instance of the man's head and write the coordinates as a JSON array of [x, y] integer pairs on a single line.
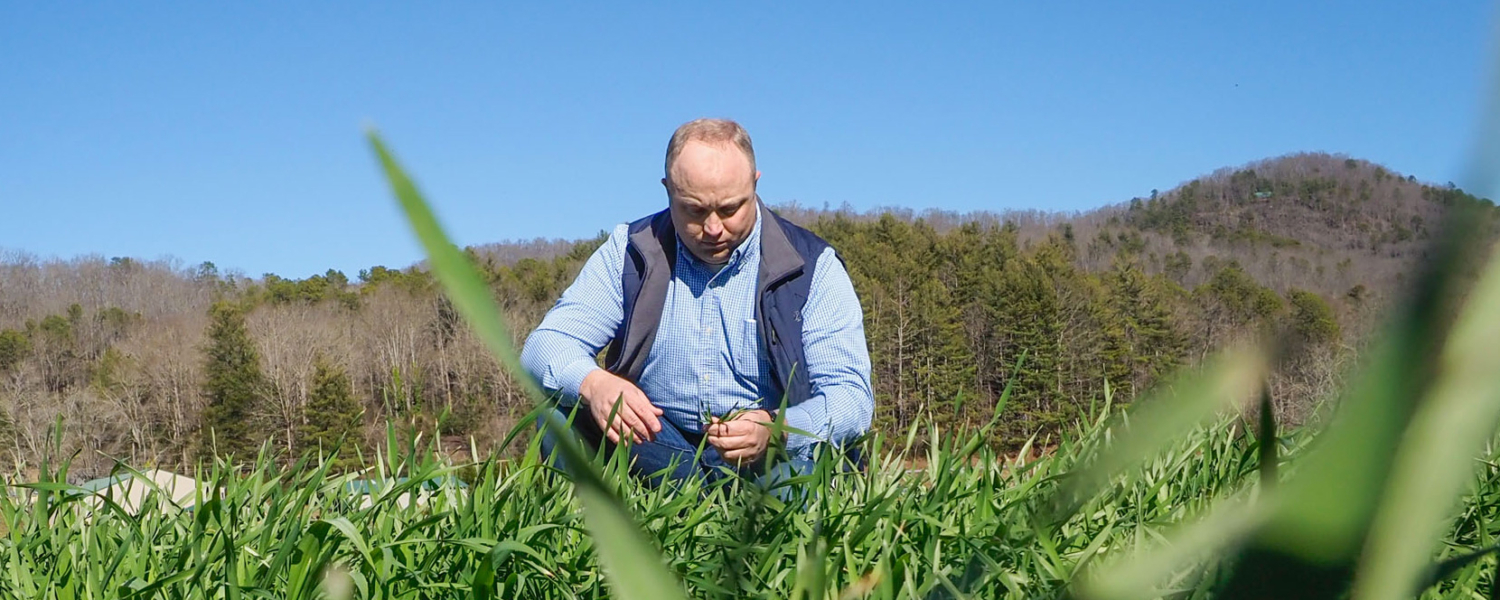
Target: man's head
[[710, 181]]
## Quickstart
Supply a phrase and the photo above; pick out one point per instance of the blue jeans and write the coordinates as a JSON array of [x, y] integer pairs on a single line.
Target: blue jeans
[[672, 456]]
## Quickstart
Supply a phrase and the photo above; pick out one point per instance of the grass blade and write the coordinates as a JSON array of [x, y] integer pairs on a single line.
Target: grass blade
[[633, 566], [1268, 440], [1436, 458], [1227, 380], [1136, 578], [1312, 543], [464, 286]]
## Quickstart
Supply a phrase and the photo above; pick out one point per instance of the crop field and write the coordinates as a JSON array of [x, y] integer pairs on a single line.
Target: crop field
[[515, 530], [1193, 492], [971, 524]]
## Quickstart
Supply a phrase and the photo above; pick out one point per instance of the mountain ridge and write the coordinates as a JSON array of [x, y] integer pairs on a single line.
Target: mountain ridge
[[1291, 220]]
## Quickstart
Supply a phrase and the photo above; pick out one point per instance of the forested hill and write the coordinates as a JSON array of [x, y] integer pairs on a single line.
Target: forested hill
[[141, 359], [1318, 222]]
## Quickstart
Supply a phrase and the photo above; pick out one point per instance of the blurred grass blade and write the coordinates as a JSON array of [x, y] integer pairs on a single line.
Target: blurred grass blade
[[1138, 577], [1437, 456], [1447, 568], [1228, 379], [1495, 582], [812, 572], [631, 563], [464, 286], [1313, 541], [1268, 439]]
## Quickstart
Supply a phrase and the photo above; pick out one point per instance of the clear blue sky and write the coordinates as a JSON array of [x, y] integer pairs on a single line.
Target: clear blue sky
[[231, 132]]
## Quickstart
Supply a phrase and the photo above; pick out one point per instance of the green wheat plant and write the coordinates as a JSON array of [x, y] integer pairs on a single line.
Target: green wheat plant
[[963, 527]]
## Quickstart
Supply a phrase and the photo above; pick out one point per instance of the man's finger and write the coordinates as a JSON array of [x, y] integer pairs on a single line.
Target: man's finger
[[632, 424], [618, 429], [723, 444], [613, 427], [741, 456], [740, 427], [646, 413], [727, 429], [626, 432], [733, 442], [642, 430], [608, 416]]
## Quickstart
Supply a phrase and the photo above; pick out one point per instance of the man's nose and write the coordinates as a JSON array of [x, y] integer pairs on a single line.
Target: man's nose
[[713, 226]]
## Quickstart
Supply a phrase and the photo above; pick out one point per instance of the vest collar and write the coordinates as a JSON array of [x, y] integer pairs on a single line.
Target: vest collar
[[660, 234], [778, 258]]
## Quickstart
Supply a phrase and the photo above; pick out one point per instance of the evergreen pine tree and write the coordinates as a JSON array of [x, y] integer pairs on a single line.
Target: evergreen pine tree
[[1024, 307], [1313, 321], [14, 347], [1141, 341], [233, 385], [332, 415]]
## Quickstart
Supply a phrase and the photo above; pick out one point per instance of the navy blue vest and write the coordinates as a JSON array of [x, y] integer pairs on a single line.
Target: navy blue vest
[[788, 255]]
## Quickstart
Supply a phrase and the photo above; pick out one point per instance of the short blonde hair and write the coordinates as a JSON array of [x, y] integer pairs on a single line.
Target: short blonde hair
[[711, 131]]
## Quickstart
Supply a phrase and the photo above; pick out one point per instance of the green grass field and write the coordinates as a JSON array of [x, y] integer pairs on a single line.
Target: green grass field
[[968, 525], [515, 530]]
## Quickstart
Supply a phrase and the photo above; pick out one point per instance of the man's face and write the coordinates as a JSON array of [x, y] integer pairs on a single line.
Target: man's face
[[711, 191]]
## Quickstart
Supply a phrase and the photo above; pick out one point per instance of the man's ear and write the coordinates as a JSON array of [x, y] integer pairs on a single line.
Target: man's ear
[[757, 176]]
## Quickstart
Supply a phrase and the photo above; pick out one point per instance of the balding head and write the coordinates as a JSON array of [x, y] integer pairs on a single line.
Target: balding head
[[714, 132], [710, 181]]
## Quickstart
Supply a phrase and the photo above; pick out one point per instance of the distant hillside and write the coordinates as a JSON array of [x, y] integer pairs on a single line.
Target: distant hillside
[[1344, 228], [1312, 244], [508, 253], [1312, 221]]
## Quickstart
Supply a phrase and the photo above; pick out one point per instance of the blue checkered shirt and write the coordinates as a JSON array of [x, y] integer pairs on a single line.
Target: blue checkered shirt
[[707, 355]]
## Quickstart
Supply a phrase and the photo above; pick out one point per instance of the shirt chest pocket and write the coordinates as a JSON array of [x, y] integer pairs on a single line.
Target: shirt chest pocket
[[745, 349]]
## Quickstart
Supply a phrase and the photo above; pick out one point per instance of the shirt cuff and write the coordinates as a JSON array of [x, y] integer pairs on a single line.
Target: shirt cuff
[[797, 417], [570, 379]]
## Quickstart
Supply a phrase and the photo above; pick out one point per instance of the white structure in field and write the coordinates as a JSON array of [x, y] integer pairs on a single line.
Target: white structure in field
[[130, 490]]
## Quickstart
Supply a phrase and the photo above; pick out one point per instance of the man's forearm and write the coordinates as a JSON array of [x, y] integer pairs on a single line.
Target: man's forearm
[[561, 351], [559, 362], [833, 416], [838, 364]]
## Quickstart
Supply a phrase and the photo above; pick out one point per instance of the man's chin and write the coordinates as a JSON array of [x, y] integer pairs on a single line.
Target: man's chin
[[715, 255]]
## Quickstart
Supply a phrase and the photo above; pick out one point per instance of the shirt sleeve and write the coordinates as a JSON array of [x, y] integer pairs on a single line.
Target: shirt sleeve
[[838, 362], [561, 351]]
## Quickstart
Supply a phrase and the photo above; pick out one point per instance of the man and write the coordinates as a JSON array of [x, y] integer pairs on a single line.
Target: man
[[713, 311]]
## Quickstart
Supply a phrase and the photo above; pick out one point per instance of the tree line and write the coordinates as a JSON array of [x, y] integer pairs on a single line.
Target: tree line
[[161, 364]]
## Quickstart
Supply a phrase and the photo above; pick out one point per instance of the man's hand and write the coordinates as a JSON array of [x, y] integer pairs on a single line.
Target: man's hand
[[742, 440], [636, 418]]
